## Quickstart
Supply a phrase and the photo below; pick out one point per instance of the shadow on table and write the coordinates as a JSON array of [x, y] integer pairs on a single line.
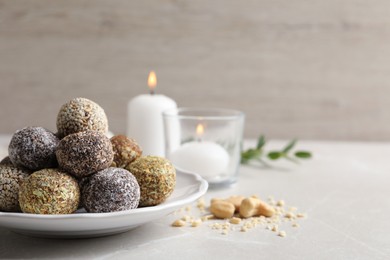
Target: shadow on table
[[16, 246], [270, 167]]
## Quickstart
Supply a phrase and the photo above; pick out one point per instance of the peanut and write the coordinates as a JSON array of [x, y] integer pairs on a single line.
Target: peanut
[[265, 210], [222, 209], [236, 201], [248, 207], [215, 200], [255, 207]]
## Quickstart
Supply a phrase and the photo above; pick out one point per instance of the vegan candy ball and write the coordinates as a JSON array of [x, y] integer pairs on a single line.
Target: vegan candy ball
[[33, 148], [10, 179], [109, 190], [49, 191], [126, 151], [157, 178], [82, 154], [81, 114], [6, 161]]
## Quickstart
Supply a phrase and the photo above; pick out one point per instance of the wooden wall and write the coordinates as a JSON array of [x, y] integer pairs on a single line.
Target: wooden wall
[[316, 69]]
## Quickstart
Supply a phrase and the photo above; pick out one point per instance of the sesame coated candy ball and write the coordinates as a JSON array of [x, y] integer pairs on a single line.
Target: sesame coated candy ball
[[82, 154], [109, 190], [33, 148], [10, 179], [81, 114], [126, 151], [156, 177], [49, 191]]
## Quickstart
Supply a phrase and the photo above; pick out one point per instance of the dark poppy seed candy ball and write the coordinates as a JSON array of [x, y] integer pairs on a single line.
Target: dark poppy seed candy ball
[[126, 151], [10, 179], [109, 190], [81, 114], [49, 191], [82, 154], [33, 148], [157, 178]]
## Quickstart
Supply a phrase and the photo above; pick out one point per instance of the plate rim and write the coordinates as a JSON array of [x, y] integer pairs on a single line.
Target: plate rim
[[201, 190]]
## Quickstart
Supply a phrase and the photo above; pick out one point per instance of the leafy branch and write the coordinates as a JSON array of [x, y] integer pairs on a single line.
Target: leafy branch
[[258, 153]]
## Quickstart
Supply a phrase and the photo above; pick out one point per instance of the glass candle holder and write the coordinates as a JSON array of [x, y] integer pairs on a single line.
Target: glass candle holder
[[206, 141]]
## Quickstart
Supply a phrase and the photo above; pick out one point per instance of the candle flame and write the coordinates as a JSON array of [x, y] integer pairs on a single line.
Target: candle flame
[[199, 129], [152, 81]]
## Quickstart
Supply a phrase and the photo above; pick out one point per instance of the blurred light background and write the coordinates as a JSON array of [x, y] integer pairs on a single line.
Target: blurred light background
[[315, 69]]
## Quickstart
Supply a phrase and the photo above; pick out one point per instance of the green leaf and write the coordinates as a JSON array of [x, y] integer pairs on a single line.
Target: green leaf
[[289, 146], [257, 153], [303, 154], [275, 155], [244, 160], [250, 154], [260, 142]]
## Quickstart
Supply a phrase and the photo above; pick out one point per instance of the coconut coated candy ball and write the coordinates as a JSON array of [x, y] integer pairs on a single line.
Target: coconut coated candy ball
[[81, 114], [49, 191], [33, 148], [109, 190], [82, 154], [157, 178], [126, 151], [10, 179]]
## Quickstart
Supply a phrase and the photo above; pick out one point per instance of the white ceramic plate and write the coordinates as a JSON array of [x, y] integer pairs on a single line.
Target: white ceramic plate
[[189, 187]]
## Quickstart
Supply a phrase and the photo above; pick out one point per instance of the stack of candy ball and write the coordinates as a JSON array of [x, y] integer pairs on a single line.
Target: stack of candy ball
[[79, 166]]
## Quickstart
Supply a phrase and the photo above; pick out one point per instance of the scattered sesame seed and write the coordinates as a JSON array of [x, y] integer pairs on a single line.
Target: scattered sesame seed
[[244, 229], [207, 217], [295, 224], [289, 215], [196, 223], [186, 218], [235, 220]]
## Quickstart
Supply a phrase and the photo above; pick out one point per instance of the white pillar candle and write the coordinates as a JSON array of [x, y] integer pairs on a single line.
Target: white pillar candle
[[206, 158], [145, 122]]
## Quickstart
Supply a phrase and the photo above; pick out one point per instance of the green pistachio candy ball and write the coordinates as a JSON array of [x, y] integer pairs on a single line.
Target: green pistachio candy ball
[[156, 177], [49, 191]]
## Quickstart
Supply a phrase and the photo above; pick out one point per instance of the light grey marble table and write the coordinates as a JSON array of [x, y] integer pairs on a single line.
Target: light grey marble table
[[344, 189]]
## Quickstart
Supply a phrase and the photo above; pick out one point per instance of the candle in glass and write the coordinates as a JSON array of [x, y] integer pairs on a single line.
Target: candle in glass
[[203, 157]]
